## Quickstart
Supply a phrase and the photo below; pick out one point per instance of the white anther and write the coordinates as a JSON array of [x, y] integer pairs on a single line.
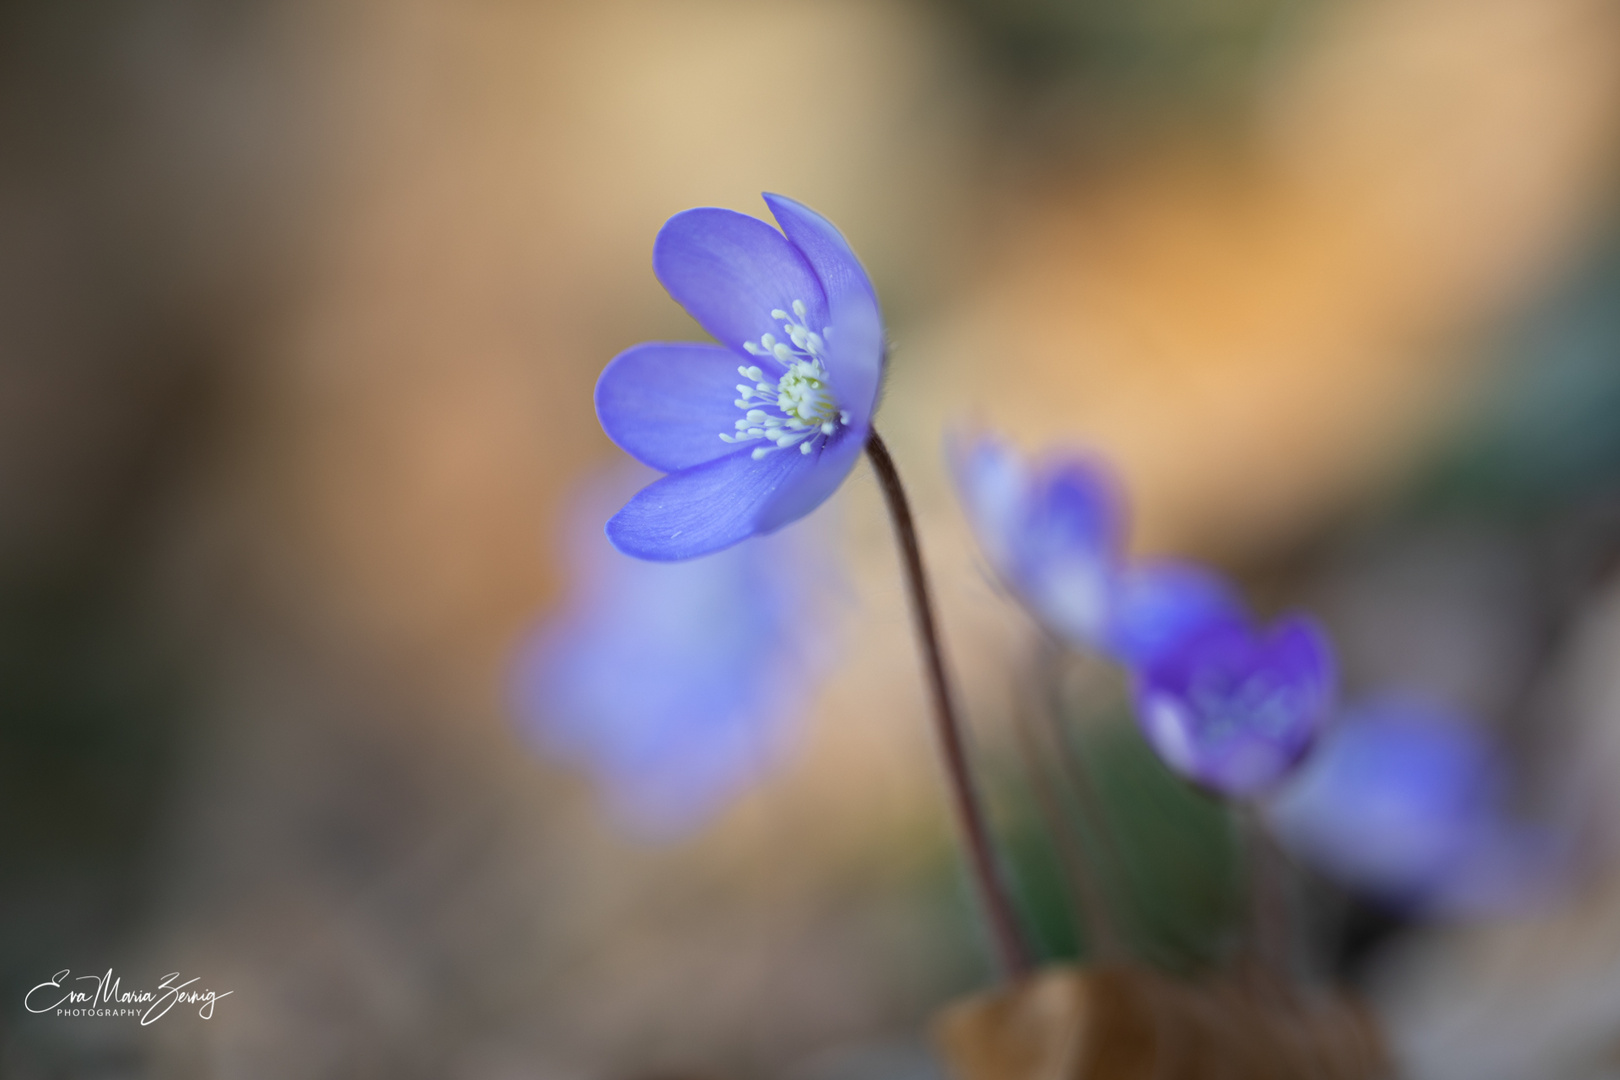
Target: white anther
[[797, 408]]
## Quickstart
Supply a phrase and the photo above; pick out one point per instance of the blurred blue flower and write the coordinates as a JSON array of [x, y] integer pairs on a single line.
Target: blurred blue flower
[[676, 686], [744, 459], [1054, 532], [1235, 708], [1406, 801]]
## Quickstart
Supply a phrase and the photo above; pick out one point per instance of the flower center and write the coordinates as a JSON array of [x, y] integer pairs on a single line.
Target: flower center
[[799, 408]]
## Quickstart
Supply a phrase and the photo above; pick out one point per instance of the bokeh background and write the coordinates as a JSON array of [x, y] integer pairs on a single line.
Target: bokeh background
[[301, 305]]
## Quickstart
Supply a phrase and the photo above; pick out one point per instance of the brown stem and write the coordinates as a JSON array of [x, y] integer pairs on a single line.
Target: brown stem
[[1013, 950]]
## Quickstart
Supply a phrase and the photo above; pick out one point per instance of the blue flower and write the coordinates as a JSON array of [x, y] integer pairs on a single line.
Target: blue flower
[[1054, 532], [797, 310], [676, 686], [1406, 801], [1235, 708]]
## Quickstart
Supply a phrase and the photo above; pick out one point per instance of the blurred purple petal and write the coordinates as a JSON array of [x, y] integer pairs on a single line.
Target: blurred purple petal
[[1158, 604], [1406, 801], [992, 483]]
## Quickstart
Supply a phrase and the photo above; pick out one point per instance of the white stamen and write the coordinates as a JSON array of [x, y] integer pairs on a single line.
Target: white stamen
[[806, 412]]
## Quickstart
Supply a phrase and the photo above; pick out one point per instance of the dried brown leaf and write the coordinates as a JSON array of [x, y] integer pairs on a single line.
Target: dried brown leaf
[[1124, 1023]]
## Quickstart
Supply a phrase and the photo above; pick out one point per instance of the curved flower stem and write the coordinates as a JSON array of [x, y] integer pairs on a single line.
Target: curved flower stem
[[998, 907]]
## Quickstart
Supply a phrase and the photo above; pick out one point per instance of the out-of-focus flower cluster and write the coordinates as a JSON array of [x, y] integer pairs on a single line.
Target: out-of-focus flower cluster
[[1228, 704], [1403, 800]]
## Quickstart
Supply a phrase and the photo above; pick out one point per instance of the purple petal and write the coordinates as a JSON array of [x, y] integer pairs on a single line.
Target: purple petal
[[1077, 505], [1393, 798], [854, 349], [667, 404], [993, 484], [832, 462], [1066, 550], [730, 271], [1298, 649], [705, 508], [1157, 605], [1408, 801]]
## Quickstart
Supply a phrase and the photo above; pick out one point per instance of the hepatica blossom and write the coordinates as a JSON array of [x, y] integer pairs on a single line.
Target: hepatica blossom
[[1051, 530], [797, 321], [1054, 530], [1405, 800], [1234, 707], [675, 686]]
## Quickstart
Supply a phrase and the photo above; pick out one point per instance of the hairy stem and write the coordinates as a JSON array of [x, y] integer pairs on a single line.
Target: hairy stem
[[1014, 951]]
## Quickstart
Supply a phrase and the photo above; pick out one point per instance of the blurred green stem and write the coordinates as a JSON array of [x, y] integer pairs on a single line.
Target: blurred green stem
[[1096, 918]]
